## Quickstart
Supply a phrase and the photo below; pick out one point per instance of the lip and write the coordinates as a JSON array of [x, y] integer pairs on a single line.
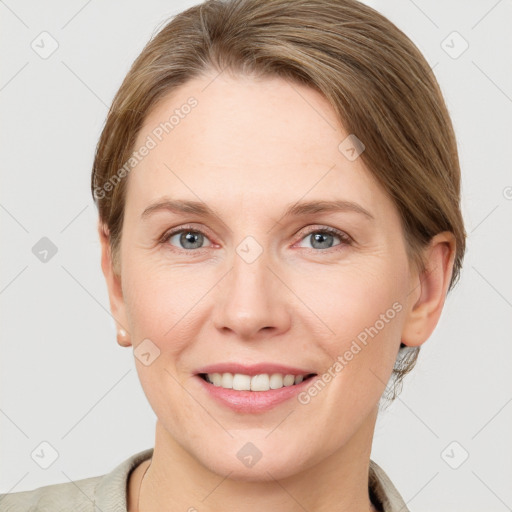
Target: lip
[[252, 401], [253, 369]]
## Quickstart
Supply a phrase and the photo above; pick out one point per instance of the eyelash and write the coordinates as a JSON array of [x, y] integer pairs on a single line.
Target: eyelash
[[344, 238]]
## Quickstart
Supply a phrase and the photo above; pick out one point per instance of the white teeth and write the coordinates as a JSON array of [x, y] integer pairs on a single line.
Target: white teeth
[[261, 382], [241, 382], [276, 381], [216, 378], [288, 380], [227, 381]]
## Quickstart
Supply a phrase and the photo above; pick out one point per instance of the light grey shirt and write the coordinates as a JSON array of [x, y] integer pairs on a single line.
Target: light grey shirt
[[107, 493]]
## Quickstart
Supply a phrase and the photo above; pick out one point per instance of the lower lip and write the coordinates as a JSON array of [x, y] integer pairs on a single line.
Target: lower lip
[[253, 401]]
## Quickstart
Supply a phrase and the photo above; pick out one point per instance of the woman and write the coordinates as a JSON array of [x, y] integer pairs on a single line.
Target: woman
[[278, 190]]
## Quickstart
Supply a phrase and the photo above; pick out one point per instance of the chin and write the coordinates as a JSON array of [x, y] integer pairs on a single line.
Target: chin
[[252, 458], [264, 470]]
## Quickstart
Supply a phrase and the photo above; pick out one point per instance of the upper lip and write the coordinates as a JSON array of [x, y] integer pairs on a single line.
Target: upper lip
[[253, 369]]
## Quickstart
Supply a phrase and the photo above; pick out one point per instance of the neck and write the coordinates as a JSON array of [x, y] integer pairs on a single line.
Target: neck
[[175, 480]]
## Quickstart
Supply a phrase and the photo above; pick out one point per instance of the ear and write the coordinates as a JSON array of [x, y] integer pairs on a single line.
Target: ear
[[115, 292], [429, 290]]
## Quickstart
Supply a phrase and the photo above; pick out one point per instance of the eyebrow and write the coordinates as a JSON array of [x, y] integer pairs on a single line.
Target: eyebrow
[[296, 209]]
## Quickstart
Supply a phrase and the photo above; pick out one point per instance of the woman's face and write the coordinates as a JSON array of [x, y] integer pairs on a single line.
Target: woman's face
[[255, 284]]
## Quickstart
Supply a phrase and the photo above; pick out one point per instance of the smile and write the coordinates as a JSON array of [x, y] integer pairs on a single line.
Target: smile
[[260, 382], [253, 394]]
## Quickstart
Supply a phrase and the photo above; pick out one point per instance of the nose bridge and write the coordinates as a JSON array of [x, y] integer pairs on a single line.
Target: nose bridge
[[252, 300], [250, 268]]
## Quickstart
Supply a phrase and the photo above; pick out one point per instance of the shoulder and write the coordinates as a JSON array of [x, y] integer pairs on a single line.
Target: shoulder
[[77, 496], [383, 492], [105, 493]]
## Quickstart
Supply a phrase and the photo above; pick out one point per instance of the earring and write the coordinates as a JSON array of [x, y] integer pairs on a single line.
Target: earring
[[122, 336]]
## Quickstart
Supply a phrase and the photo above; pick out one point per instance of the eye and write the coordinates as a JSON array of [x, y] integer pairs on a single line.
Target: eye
[[322, 238], [185, 238], [188, 238]]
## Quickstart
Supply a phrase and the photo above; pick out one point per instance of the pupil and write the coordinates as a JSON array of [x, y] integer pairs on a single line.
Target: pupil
[[321, 238], [190, 237]]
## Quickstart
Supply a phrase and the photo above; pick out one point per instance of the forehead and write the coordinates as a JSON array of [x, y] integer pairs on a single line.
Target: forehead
[[265, 139]]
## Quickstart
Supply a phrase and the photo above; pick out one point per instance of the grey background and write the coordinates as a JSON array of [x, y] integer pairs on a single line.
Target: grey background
[[64, 379]]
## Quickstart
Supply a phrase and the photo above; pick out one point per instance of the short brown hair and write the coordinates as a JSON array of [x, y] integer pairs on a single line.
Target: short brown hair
[[375, 78]]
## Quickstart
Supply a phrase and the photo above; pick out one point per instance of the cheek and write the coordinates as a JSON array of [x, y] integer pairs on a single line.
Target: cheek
[[160, 299], [353, 300], [364, 311], [159, 306]]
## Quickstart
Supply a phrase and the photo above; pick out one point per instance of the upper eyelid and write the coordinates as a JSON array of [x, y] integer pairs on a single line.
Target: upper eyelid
[[309, 229], [174, 231], [344, 236]]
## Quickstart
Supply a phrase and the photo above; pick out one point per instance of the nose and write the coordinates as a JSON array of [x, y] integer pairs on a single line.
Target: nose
[[251, 301]]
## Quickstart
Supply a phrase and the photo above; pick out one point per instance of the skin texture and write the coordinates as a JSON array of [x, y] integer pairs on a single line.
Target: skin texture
[[250, 148]]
